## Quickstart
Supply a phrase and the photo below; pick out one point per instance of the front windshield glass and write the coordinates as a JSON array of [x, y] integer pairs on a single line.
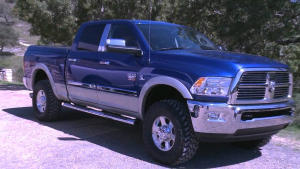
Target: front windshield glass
[[169, 37]]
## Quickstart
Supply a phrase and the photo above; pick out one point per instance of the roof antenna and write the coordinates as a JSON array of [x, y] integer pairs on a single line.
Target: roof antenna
[[150, 9]]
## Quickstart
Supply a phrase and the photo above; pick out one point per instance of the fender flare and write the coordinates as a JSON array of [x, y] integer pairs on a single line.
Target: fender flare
[[35, 69], [161, 80]]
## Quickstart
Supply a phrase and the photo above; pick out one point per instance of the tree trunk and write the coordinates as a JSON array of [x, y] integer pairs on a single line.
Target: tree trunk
[[7, 22]]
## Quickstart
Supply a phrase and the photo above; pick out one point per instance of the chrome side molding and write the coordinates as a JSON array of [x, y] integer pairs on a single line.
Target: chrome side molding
[[101, 113]]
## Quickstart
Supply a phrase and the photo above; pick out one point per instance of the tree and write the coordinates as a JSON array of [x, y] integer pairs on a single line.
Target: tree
[[7, 37], [52, 20], [268, 28], [6, 12]]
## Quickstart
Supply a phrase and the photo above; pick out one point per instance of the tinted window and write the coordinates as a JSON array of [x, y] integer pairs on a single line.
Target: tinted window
[[169, 37], [123, 32], [90, 38]]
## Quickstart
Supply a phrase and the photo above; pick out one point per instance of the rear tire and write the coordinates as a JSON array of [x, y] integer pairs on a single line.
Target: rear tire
[[47, 107], [185, 143], [253, 144]]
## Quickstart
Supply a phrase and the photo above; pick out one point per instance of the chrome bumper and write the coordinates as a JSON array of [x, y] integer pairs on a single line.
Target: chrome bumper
[[229, 121]]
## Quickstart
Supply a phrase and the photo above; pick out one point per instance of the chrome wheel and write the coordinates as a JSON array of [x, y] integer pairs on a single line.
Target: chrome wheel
[[163, 133], [41, 101]]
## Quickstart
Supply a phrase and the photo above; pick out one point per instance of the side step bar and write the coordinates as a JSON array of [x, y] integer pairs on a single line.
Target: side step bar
[[101, 113]]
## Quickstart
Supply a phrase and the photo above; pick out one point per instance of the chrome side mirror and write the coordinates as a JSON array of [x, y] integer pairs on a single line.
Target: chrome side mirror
[[223, 48], [119, 46], [116, 42]]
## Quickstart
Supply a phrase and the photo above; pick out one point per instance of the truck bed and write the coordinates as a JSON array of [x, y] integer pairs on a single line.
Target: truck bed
[[54, 49]]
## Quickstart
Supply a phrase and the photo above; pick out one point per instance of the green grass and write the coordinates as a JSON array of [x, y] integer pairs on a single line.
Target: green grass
[[9, 83], [292, 132], [15, 63]]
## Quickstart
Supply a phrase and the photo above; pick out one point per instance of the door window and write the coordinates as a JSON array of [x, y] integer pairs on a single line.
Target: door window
[[123, 32], [90, 38]]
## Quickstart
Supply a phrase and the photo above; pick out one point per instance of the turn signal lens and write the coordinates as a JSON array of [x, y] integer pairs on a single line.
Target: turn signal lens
[[199, 82]]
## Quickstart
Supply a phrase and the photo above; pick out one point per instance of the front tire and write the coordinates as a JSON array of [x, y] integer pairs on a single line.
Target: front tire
[[47, 107], [253, 144], [168, 133]]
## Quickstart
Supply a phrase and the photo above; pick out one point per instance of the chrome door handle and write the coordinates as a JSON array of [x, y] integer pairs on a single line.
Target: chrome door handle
[[72, 60], [104, 62]]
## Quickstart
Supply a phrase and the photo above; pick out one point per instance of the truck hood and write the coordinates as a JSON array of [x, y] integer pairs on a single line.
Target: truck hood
[[223, 63]]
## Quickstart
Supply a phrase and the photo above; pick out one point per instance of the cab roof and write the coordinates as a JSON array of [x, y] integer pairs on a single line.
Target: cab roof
[[132, 21]]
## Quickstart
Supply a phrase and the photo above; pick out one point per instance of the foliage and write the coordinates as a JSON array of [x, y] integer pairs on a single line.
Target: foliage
[[268, 28], [6, 13], [7, 37]]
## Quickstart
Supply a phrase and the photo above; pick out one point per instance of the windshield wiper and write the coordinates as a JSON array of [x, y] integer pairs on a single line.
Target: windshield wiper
[[172, 48]]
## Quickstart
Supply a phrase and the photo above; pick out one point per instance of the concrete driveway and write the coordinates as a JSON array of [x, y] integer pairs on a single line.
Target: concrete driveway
[[80, 140]]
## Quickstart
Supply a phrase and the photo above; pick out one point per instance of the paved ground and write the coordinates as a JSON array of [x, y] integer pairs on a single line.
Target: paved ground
[[81, 140]]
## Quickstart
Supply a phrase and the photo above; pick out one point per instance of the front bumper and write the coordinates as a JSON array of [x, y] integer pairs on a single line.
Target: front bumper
[[229, 125]]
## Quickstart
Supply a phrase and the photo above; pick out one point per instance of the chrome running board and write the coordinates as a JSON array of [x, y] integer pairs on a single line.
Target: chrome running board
[[112, 116]]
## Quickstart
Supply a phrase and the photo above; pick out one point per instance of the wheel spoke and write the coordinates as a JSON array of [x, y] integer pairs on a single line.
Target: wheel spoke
[[155, 128], [167, 145], [162, 120]]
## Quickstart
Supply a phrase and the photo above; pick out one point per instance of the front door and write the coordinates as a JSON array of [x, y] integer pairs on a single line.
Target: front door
[[118, 73], [82, 64]]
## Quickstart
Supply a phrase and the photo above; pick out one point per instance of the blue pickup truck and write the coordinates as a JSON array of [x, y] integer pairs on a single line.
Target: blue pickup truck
[[183, 87]]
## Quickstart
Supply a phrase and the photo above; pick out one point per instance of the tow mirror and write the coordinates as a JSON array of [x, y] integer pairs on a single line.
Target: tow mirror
[[119, 46], [223, 48]]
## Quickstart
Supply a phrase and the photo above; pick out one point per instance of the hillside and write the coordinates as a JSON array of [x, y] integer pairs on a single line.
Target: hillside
[[14, 60]]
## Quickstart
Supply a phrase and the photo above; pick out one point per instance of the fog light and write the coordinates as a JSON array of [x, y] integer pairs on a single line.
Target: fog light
[[195, 114], [213, 115]]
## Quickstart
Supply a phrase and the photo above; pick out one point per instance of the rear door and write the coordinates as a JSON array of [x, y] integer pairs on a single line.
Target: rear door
[[82, 65]]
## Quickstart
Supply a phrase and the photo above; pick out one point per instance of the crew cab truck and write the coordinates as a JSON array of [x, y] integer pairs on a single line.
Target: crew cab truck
[[171, 77]]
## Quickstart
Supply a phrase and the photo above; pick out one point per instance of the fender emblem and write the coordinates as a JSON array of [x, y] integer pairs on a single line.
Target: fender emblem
[[131, 76]]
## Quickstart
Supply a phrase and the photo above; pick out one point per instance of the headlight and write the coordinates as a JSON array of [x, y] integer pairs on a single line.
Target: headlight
[[211, 86]]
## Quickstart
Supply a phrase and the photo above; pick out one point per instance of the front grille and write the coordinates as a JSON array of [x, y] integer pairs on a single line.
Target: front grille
[[282, 77], [253, 78], [281, 92], [263, 114], [263, 85], [251, 93]]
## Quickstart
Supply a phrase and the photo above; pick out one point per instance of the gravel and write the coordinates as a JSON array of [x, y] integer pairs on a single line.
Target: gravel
[[80, 140]]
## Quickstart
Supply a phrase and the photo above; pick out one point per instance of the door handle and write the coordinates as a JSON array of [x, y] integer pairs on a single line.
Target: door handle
[[104, 62], [72, 60]]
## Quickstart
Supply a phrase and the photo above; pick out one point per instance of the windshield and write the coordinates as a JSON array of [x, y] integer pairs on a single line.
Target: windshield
[[172, 37]]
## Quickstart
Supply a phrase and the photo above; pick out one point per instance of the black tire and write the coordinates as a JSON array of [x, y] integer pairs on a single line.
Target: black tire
[[253, 144], [53, 105], [186, 143]]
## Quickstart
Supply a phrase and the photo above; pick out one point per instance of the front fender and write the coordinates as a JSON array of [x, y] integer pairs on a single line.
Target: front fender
[[161, 80]]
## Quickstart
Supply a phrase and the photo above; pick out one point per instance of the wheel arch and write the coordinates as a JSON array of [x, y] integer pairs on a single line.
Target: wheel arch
[[161, 81], [40, 67]]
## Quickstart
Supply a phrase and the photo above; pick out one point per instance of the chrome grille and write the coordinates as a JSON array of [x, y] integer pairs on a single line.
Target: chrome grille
[[253, 78], [281, 92], [251, 93], [282, 77], [263, 85]]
